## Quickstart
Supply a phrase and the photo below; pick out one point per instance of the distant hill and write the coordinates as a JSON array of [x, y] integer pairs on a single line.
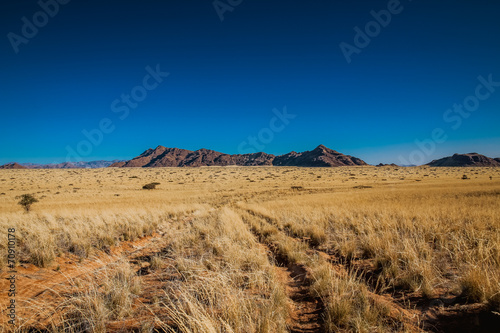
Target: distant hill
[[66, 165], [321, 156], [387, 165], [71, 165], [161, 156], [466, 160], [12, 166]]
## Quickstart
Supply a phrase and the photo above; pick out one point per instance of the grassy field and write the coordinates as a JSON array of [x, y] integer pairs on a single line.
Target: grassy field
[[254, 249]]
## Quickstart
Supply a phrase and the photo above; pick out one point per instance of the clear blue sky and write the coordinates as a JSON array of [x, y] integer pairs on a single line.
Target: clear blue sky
[[226, 77]]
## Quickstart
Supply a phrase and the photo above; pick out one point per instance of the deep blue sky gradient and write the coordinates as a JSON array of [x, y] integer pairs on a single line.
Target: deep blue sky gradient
[[227, 77]]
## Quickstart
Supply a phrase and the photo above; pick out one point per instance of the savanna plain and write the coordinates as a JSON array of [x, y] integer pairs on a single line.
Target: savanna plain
[[253, 249]]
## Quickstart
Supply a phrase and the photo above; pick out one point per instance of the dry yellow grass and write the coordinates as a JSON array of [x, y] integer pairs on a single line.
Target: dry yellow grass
[[371, 241]]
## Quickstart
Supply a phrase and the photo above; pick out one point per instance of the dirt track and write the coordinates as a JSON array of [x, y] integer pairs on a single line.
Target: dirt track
[[40, 291]]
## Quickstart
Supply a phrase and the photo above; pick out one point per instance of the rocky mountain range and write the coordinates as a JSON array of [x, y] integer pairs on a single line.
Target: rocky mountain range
[[321, 156], [12, 166], [71, 165], [466, 160], [161, 156], [65, 165]]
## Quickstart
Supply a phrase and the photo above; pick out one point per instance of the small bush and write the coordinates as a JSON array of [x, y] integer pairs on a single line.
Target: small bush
[[473, 287], [26, 201], [150, 186]]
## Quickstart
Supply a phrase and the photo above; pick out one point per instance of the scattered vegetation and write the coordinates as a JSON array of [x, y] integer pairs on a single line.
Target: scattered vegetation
[[95, 304], [150, 186], [218, 253], [26, 201]]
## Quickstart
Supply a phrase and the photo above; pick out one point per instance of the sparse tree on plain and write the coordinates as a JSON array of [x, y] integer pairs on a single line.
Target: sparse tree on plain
[[26, 201]]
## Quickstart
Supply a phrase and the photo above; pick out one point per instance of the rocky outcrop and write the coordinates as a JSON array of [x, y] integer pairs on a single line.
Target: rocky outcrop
[[465, 160], [161, 156], [71, 165], [12, 166]]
